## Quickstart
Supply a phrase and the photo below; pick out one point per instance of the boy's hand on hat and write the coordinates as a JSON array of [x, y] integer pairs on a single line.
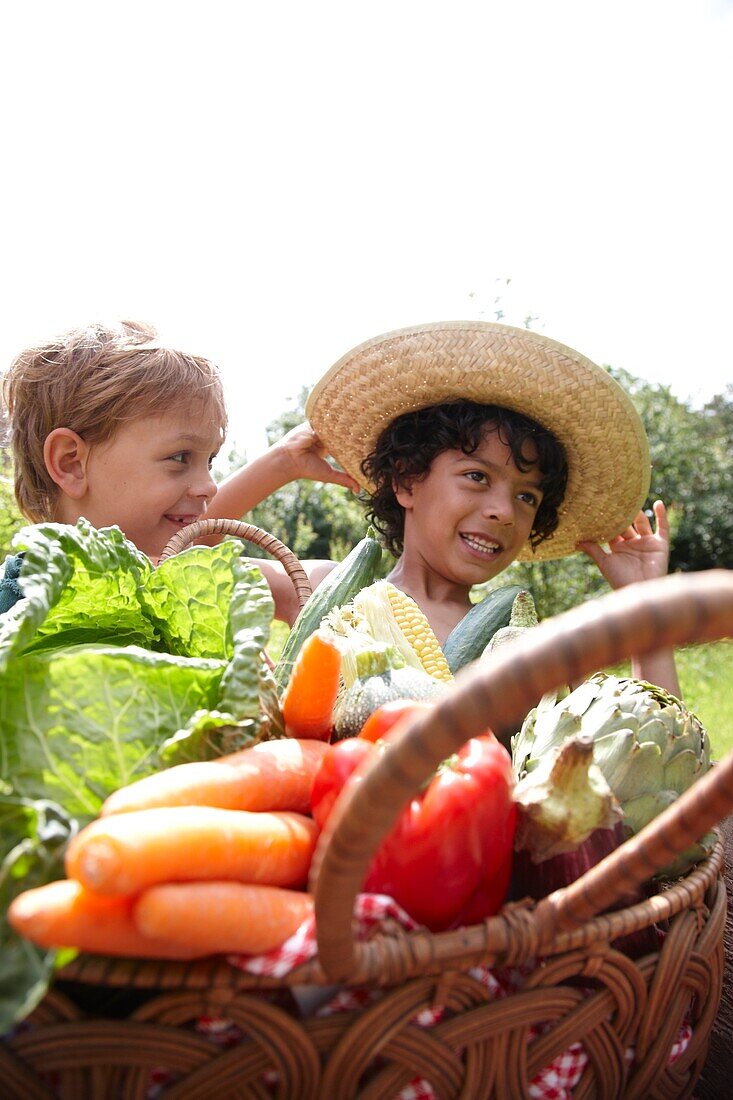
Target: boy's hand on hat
[[306, 455], [639, 553]]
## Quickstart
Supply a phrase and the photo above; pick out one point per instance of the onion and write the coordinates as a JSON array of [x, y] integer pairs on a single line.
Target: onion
[[568, 821]]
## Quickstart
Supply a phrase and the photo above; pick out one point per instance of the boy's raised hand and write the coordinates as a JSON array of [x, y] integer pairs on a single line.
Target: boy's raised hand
[[307, 457], [299, 454], [639, 553]]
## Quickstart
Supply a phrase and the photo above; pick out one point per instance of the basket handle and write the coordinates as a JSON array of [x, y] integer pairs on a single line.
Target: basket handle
[[638, 619], [188, 535]]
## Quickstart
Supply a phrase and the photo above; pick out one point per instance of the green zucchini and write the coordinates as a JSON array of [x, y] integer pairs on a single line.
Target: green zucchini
[[467, 641], [356, 571]]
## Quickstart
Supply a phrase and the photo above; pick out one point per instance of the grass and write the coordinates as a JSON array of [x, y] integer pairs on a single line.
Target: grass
[[278, 636], [706, 679]]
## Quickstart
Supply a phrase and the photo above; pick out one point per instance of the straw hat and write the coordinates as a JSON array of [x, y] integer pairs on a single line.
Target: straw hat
[[579, 402]]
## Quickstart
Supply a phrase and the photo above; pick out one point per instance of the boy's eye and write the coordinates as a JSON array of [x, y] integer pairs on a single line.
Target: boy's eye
[[477, 475], [530, 498], [180, 456]]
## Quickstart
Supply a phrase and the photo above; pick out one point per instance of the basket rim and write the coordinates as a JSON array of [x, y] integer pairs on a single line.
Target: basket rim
[[432, 952], [187, 536]]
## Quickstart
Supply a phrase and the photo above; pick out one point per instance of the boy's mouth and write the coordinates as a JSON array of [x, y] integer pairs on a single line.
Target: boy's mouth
[[181, 521], [481, 545]]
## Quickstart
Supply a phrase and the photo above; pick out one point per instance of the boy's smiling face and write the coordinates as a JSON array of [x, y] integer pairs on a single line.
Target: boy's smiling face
[[152, 478], [471, 515]]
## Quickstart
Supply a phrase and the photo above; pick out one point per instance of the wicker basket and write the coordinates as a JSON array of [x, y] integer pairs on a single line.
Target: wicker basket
[[626, 1013]]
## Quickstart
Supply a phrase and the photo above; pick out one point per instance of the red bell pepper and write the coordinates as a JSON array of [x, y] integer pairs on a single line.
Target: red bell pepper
[[381, 720], [448, 858], [332, 773]]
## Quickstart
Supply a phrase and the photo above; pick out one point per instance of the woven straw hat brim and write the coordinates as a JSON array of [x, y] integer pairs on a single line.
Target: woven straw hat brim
[[579, 402]]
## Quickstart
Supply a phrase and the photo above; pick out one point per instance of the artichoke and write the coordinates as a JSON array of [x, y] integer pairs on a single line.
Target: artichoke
[[648, 745]]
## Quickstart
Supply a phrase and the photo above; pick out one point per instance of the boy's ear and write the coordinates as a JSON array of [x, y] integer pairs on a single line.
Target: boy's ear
[[403, 492], [65, 454]]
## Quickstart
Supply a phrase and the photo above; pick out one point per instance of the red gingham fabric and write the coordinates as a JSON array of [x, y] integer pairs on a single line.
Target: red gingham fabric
[[371, 910]]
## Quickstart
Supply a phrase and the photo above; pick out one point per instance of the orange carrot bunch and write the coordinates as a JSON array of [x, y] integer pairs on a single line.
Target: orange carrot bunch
[[204, 858]]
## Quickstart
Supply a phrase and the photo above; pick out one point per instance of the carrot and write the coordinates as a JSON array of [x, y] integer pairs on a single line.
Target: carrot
[[309, 698], [274, 775], [64, 914], [125, 853], [221, 917]]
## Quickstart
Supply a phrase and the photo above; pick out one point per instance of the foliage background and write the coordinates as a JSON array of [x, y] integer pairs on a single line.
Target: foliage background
[[692, 472], [10, 517]]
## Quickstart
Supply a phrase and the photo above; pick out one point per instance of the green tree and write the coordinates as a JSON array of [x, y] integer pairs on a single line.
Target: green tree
[[313, 519], [692, 470], [705, 538]]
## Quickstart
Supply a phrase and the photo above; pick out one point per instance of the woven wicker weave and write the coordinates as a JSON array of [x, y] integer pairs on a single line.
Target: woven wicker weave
[[580, 988]]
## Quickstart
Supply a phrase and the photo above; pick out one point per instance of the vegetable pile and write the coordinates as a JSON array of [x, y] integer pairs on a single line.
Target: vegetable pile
[[168, 787]]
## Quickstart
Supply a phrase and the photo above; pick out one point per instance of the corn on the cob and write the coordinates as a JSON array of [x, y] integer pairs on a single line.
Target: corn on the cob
[[394, 616], [416, 628]]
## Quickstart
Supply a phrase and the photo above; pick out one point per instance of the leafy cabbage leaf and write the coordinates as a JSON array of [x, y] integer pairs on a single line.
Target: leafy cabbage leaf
[[33, 837], [189, 598], [80, 584], [81, 721]]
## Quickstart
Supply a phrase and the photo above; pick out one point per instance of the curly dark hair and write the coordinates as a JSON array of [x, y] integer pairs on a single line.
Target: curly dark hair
[[407, 447]]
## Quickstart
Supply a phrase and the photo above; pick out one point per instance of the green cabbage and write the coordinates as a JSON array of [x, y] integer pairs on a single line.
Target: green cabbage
[[105, 661]]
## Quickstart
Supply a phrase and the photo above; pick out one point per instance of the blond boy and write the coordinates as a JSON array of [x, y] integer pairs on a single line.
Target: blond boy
[[108, 425]]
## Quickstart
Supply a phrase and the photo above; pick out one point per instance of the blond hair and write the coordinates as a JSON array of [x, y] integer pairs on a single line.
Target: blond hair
[[92, 380]]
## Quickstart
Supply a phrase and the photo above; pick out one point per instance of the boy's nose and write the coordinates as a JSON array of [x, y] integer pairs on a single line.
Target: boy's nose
[[204, 486], [499, 507]]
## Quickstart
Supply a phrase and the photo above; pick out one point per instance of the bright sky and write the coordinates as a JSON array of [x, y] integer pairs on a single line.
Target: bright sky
[[272, 183]]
